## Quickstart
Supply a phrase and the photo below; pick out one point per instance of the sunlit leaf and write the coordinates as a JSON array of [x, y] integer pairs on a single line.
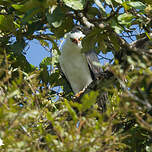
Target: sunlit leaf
[[12, 94], [125, 18], [46, 61], [18, 7], [109, 2], [98, 3], [75, 4], [137, 5], [119, 1], [118, 29]]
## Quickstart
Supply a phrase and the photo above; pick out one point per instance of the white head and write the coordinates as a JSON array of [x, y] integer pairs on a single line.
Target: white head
[[75, 38]]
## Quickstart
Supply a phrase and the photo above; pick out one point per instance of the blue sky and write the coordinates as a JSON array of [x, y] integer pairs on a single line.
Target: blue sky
[[36, 53]]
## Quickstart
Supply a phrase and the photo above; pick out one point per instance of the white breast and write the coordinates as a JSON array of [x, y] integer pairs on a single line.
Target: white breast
[[74, 65]]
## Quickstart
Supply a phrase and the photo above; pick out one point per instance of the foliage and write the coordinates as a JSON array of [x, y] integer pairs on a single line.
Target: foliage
[[31, 120]]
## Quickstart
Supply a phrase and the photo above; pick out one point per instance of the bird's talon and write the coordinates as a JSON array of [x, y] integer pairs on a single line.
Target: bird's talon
[[79, 94]]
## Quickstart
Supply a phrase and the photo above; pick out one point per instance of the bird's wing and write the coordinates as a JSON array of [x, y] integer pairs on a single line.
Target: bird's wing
[[65, 77], [96, 72], [93, 60]]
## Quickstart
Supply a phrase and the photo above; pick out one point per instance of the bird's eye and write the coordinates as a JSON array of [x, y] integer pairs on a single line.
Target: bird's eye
[[80, 38]]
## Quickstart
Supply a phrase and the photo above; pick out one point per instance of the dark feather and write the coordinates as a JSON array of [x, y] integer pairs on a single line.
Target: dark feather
[[93, 60], [96, 73]]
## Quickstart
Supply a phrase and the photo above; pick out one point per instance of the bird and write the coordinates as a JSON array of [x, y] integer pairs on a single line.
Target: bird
[[80, 69]]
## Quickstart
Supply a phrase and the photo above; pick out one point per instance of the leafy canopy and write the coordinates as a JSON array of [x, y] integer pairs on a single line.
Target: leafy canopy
[[30, 118]]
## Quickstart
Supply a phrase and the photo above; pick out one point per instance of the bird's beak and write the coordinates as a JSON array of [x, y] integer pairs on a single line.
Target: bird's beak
[[75, 40]]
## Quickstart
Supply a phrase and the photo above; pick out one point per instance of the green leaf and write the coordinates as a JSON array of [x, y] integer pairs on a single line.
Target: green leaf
[[14, 93], [19, 60], [125, 5], [66, 26], [148, 2], [29, 14], [71, 111], [6, 23], [18, 7], [89, 100], [98, 3], [137, 5], [18, 46], [103, 47], [92, 12], [89, 41], [118, 29], [75, 4], [125, 18], [115, 42], [149, 36], [118, 1], [56, 18], [101, 43], [30, 5], [45, 62], [44, 75], [31, 114], [34, 26], [5, 2], [108, 2], [49, 116]]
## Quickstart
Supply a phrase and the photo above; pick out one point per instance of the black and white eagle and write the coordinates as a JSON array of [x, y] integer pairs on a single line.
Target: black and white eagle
[[80, 69]]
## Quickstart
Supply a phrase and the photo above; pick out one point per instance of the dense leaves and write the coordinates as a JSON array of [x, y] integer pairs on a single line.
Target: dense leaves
[[37, 108]]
